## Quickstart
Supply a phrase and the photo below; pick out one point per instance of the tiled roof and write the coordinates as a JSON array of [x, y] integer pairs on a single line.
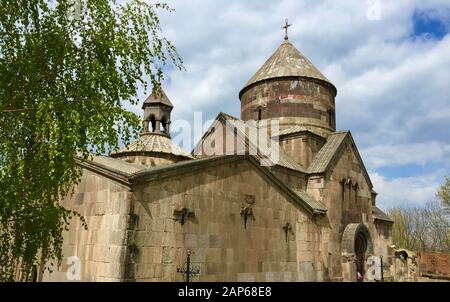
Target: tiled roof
[[155, 142], [295, 129], [286, 61], [246, 130], [158, 96], [327, 152], [317, 206], [380, 215]]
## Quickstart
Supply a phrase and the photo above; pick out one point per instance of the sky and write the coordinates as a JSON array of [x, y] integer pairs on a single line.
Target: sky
[[390, 62]]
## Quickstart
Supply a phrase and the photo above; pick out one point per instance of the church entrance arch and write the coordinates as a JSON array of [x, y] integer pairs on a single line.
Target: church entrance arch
[[356, 246], [360, 252]]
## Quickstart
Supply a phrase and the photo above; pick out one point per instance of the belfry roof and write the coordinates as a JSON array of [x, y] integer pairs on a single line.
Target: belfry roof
[[286, 61], [158, 96]]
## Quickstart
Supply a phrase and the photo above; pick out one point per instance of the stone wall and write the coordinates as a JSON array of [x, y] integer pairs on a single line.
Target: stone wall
[[101, 248], [294, 101], [382, 239], [348, 204], [302, 147], [138, 236], [223, 248]]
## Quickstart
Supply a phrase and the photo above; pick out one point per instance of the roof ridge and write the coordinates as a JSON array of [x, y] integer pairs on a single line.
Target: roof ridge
[[296, 129], [326, 153], [340, 131], [227, 115], [310, 200]]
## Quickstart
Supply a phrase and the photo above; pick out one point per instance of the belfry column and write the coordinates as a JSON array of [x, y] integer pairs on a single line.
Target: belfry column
[[145, 125], [158, 126]]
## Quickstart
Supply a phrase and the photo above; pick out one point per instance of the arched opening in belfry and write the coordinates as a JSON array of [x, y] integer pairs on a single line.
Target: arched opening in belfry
[[153, 123], [164, 125], [259, 114]]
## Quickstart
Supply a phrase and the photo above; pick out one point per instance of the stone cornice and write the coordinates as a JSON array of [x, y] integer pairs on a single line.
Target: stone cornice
[[108, 172]]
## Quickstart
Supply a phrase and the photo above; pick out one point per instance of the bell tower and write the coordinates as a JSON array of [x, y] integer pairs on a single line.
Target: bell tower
[[157, 109], [154, 146]]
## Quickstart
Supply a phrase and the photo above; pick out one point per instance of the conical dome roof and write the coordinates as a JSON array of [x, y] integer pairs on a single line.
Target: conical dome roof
[[158, 96], [286, 61]]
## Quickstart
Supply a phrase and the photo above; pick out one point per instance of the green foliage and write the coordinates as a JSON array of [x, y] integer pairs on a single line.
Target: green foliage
[[444, 192], [66, 68]]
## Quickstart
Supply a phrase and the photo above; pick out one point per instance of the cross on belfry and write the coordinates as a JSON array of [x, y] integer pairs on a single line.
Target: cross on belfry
[[285, 27]]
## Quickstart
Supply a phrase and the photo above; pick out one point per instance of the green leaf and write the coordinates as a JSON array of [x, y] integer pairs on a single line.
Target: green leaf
[[64, 79]]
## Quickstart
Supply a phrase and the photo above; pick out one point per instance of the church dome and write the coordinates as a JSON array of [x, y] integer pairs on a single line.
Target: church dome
[[158, 97], [286, 61], [290, 89]]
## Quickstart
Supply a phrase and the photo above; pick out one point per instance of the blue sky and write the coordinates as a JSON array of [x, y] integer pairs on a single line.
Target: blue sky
[[426, 22], [390, 62]]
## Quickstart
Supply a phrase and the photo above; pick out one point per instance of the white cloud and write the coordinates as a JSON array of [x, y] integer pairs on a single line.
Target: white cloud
[[393, 89], [405, 191], [394, 155]]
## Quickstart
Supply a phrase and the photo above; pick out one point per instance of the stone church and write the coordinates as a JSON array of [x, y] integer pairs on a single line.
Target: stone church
[[234, 214]]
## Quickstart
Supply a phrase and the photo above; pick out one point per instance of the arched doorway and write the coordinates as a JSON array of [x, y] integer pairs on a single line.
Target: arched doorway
[[360, 252], [357, 244]]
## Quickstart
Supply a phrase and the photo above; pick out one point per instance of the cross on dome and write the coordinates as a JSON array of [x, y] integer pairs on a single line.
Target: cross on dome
[[285, 27]]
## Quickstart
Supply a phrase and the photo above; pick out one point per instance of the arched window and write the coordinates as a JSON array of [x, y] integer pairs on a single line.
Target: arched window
[[153, 123], [164, 125], [331, 118], [259, 114]]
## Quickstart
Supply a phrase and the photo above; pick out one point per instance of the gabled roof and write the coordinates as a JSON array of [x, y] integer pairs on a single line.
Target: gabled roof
[[325, 155], [286, 61], [249, 135], [158, 96], [310, 201], [155, 143], [330, 153], [380, 215]]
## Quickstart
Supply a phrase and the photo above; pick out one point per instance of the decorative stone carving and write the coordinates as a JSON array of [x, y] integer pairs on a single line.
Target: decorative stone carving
[[183, 214]]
